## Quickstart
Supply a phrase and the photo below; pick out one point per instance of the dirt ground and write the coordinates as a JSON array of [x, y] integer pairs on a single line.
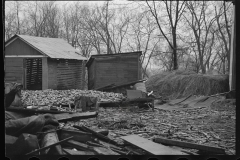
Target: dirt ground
[[213, 126]]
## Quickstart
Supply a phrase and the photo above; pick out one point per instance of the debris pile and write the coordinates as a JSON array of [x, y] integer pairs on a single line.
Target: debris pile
[[211, 126], [64, 97], [124, 130]]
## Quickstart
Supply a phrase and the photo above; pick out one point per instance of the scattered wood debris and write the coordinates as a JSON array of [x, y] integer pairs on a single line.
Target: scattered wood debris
[[151, 147], [130, 130]]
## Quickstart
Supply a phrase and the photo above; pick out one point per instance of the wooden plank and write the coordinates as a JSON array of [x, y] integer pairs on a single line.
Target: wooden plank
[[85, 147], [13, 74], [77, 135], [74, 152], [67, 70], [10, 78], [17, 62], [98, 135], [66, 82], [33, 111], [151, 147], [66, 75], [44, 148], [44, 73], [189, 145], [75, 116], [79, 145], [104, 151], [18, 69]]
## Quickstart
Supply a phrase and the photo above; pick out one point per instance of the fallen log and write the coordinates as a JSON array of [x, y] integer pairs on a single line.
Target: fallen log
[[50, 138], [151, 147], [189, 145], [98, 135], [41, 149]]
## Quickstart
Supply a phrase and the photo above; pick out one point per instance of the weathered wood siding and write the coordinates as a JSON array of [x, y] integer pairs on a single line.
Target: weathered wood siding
[[14, 71], [65, 74], [52, 73], [91, 75], [56, 74], [115, 69], [19, 47]]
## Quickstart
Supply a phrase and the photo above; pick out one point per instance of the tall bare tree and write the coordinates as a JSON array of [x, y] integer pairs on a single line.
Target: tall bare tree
[[224, 24], [174, 13], [201, 27]]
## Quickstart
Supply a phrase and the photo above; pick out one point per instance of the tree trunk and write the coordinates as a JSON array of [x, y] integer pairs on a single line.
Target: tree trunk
[[223, 66], [203, 68], [175, 63]]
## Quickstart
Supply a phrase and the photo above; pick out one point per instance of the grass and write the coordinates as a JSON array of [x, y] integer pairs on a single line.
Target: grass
[[178, 84]]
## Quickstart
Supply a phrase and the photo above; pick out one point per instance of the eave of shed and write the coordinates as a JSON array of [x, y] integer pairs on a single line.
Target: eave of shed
[[52, 47], [89, 62]]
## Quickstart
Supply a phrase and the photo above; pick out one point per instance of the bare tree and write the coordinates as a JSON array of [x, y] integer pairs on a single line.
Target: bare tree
[[13, 21], [141, 38], [223, 24], [120, 28], [201, 27], [174, 13]]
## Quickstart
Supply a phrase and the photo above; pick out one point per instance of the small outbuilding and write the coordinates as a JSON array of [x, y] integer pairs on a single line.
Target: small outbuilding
[[107, 69], [43, 63]]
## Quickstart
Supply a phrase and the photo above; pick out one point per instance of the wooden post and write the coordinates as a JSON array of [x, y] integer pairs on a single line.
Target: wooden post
[[232, 72], [24, 74], [44, 73], [139, 67], [82, 75]]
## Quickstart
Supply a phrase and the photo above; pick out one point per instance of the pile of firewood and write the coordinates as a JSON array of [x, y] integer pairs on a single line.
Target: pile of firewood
[[57, 97]]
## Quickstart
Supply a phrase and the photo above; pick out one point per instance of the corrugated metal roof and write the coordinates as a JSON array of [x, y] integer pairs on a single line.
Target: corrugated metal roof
[[53, 47]]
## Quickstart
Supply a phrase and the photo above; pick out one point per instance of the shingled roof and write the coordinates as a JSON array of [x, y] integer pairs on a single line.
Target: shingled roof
[[51, 47]]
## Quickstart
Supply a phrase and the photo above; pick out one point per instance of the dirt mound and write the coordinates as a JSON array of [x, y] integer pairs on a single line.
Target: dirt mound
[[178, 84]]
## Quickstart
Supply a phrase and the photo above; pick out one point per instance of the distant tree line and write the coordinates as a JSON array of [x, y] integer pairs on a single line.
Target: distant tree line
[[171, 34]]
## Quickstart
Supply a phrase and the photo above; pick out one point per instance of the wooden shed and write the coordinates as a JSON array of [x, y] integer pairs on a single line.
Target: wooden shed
[[107, 69], [43, 63]]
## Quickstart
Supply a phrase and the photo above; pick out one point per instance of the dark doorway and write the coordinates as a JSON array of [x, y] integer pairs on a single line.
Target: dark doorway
[[33, 74]]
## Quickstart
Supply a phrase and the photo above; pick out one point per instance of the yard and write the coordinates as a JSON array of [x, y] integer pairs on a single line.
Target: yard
[[213, 126]]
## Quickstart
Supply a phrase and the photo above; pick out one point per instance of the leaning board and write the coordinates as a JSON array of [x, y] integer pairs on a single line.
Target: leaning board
[[151, 147]]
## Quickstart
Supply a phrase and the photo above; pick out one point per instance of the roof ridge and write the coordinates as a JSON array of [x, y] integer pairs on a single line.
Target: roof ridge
[[57, 48]]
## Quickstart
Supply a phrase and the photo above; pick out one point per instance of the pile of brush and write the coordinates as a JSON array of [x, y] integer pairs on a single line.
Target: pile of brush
[[178, 84]]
